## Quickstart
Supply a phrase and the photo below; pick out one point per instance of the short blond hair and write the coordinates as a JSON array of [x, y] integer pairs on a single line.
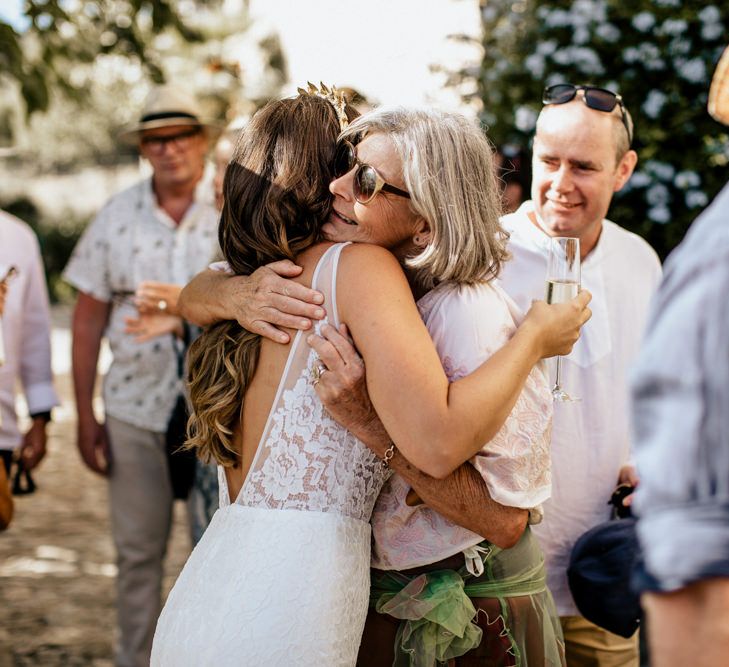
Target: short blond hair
[[622, 135], [449, 170]]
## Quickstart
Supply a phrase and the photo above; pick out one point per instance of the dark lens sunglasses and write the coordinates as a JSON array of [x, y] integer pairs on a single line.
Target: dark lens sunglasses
[[157, 144], [367, 182], [599, 99]]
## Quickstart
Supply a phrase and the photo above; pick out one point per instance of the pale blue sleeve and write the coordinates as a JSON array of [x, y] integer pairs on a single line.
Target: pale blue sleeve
[[680, 395]]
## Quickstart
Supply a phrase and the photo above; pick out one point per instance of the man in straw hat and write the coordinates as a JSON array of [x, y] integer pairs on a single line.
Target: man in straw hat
[[681, 420], [160, 230]]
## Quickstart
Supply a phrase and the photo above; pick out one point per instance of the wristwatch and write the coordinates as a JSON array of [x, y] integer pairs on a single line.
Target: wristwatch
[[45, 415]]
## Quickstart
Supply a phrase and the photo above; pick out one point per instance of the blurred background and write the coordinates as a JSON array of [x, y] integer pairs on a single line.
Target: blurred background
[[73, 72]]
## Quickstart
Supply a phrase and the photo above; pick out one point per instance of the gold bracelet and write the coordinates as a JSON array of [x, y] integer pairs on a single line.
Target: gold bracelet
[[389, 455]]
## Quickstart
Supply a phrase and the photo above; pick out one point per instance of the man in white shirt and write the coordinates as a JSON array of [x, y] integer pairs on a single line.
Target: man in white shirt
[[581, 157], [161, 229], [26, 343]]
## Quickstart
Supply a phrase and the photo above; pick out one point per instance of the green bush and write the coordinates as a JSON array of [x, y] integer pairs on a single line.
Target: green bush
[[658, 54]]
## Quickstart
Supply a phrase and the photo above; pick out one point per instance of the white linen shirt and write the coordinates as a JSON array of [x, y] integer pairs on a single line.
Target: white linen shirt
[[131, 240], [26, 326], [590, 438], [468, 324]]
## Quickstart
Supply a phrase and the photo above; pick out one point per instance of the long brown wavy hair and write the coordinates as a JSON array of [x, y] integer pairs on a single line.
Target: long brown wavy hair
[[276, 191]]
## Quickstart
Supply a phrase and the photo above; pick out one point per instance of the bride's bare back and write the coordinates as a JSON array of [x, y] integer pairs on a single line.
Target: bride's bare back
[[261, 391]]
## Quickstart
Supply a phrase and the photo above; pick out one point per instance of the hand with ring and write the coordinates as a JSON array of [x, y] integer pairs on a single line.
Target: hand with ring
[[154, 297], [317, 370], [152, 325], [344, 390]]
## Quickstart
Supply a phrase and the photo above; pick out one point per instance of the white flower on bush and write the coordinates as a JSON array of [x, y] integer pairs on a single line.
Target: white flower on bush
[[673, 27], [535, 65], [608, 32], [710, 14], [489, 13], [525, 118], [647, 53], [554, 79], [547, 47], [643, 21], [668, 3], [679, 47], [687, 179], [640, 179], [692, 70], [556, 18], [585, 59], [590, 10], [581, 35], [487, 119], [711, 31], [696, 198], [657, 195], [631, 54], [659, 214], [650, 54], [563, 56], [661, 170], [654, 103]]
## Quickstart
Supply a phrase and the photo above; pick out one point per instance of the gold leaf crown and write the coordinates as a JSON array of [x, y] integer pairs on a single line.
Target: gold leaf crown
[[335, 97]]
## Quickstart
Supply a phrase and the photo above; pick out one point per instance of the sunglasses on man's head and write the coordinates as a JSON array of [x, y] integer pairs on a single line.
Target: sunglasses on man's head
[[367, 182], [596, 98]]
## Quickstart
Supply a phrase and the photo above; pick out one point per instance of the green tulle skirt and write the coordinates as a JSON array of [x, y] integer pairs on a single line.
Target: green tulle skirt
[[438, 615]]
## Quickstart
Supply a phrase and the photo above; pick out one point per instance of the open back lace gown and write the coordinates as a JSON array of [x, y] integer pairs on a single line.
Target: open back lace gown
[[281, 576]]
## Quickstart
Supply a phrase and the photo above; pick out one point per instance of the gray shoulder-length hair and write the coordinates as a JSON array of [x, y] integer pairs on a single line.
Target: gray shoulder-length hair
[[449, 171]]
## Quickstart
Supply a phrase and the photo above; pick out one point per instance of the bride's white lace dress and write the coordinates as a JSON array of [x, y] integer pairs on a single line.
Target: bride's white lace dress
[[281, 576]]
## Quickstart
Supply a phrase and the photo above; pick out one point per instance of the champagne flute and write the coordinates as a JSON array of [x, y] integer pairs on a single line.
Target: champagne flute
[[563, 284]]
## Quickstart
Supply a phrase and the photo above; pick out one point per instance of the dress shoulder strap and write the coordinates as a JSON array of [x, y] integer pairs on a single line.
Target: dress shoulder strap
[[295, 385]]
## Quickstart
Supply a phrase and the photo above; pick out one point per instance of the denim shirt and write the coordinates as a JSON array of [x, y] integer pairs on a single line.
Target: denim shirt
[[680, 389]]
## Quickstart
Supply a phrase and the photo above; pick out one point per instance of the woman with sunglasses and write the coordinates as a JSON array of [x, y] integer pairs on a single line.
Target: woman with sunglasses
[[442, 166], [281, 575]]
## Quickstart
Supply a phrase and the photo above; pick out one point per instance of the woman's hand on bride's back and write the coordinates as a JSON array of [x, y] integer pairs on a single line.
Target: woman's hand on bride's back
[[342, 387], [558, 325]]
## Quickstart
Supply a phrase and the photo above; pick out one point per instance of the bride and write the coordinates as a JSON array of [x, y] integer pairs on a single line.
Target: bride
[[281, 576]]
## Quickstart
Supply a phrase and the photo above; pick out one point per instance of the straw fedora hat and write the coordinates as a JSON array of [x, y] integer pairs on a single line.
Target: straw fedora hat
[[719, 92], [168, 106]]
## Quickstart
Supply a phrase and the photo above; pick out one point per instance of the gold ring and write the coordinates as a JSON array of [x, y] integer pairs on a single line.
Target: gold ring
[[317, 370]]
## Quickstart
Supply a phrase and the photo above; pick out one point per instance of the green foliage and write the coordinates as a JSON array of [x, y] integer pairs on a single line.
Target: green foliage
[[658, 54], [62, 32], [99, 89]]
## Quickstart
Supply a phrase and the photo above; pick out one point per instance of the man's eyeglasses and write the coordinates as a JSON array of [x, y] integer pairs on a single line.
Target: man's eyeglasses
[[599, 99], [156, 144], [367, 182]]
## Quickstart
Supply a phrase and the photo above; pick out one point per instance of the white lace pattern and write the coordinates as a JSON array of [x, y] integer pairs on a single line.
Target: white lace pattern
[[281, 576]]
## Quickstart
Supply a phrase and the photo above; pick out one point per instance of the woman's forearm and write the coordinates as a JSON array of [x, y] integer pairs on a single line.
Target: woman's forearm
[[462, 497], [203, 301]]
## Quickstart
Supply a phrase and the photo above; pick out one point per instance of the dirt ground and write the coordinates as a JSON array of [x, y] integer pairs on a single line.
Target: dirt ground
[[57, 563]]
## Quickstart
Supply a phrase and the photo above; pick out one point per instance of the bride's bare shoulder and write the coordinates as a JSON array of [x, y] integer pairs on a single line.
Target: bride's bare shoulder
[[368, 258]]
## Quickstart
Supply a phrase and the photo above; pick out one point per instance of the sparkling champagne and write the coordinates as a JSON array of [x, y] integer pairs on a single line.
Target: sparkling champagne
[[561, 291]]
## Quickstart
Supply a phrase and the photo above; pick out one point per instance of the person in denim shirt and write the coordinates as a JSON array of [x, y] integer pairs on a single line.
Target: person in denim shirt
[[681, 420]]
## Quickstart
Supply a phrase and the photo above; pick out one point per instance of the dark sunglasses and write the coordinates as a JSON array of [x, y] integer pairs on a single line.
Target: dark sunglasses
[[157, 145], [599, 99], [367, 182]]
